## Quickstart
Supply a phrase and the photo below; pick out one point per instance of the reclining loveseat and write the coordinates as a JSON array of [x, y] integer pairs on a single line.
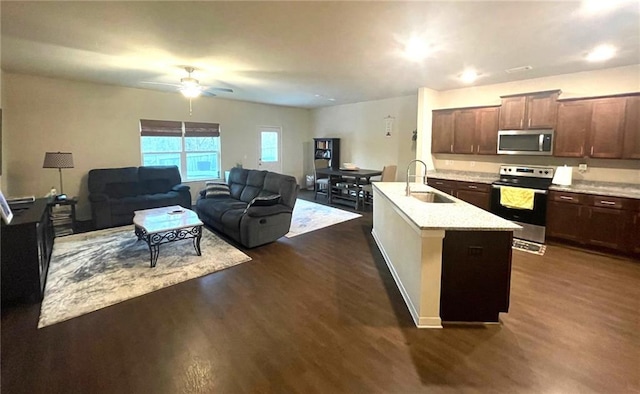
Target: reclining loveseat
[[115, 193], [253, 208]]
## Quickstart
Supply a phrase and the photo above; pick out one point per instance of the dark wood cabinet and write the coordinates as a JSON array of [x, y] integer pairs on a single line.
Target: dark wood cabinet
[[26, 248], [600, 221], [602, 127], [529, 111], [478, 194], [631, 145], [327, 148], [442, 131], [487, 130], [572, 130], [607, 132], [465, 131], [634, 233]]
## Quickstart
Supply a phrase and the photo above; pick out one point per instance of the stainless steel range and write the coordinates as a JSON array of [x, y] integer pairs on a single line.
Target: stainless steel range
[[533, 221]]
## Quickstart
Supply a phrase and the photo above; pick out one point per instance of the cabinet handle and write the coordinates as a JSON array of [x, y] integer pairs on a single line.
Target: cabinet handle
[[521, 120], [471, 148], [451, 147], [566, 198], [592, 151], [478, 149], [581, 150], [607, 202], [438, 183], [529, 124], [473, 187]]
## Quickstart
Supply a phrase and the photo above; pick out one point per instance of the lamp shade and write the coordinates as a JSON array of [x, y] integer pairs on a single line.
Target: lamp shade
[[58, 160]]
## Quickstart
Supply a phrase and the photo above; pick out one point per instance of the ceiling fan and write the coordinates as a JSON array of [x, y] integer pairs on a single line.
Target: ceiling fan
[[190, 87]]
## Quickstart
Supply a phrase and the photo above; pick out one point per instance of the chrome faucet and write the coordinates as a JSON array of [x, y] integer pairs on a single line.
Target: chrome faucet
[[416, 175]]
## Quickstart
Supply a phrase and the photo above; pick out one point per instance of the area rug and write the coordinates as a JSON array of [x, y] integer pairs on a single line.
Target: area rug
[[90, 271], [309, 216], [529, 247]]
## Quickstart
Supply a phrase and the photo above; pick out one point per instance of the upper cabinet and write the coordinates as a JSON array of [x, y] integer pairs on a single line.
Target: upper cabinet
[[465, 130], [631, 145], [529, 111], [604, 127]]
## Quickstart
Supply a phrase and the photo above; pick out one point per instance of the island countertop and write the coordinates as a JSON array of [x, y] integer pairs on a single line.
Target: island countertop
[[457, 215]]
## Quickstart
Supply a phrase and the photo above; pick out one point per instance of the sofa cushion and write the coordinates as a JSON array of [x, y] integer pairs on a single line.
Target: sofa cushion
[[216, 207], [170, 174], [265, 201], [216, 189], [101, 177], [121, 189], [126, 205], [153, 186]]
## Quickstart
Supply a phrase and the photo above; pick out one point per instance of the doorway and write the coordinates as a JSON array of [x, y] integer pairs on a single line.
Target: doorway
[[269, 155]]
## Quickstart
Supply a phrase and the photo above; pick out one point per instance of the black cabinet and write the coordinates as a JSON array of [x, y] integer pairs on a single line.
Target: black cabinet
[[327, 148], [26, 248]]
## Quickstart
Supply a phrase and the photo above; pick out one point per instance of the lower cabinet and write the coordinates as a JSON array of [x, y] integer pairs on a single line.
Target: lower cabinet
[[601, 221], [478, 194]]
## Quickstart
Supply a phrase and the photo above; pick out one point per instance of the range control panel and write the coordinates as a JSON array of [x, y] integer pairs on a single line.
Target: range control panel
[[528, 171]]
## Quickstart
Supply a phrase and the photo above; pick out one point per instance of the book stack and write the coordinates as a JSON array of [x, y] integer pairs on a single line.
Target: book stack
[[62, 220]]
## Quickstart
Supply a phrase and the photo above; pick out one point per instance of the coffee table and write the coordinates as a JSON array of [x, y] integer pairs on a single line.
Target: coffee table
[[159, 226]]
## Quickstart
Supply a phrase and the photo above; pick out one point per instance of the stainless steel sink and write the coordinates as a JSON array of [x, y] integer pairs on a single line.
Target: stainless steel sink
[[430, 197]]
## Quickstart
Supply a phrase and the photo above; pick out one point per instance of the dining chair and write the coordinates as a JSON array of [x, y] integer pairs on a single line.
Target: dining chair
[[388, 175], [321, 184]]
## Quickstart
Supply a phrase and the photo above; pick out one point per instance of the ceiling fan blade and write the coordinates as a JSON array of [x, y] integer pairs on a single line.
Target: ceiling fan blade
[[208, 94], [227, 90], [162, 83]]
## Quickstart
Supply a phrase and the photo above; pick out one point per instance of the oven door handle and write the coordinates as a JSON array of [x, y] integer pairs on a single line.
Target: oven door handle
[[537, 191]]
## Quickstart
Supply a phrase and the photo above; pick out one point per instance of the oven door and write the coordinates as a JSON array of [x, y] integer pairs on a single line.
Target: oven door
[[536, 216]]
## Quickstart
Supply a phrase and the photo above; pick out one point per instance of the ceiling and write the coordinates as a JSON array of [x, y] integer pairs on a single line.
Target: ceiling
[[310, 54]]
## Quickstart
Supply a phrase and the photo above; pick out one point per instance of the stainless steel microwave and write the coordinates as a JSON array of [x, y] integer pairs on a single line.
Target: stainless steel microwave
[[525, 142]]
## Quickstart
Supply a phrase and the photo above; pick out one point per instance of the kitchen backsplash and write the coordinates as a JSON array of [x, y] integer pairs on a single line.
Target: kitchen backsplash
[[598, 170]]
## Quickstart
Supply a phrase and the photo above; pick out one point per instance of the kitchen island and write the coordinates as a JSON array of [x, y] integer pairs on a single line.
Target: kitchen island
[[451, 260]]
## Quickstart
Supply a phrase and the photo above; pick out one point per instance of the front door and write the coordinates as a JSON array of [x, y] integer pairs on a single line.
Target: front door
[[269, 156]]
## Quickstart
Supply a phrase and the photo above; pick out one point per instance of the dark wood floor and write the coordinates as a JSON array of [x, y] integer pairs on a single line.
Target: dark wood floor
[[320, 313]]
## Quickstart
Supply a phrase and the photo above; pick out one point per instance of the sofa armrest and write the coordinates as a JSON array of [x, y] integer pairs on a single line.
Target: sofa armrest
[[258, 212], [98, 197], [180, 187]]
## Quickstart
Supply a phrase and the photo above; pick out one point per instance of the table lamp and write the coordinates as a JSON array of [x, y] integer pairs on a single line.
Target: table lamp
[[58, 160]]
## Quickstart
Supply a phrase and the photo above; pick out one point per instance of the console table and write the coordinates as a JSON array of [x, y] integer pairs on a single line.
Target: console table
[[26, 245]]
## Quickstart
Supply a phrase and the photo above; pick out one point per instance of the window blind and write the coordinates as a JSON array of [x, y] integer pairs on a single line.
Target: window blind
[[196, 129], [160, 128]]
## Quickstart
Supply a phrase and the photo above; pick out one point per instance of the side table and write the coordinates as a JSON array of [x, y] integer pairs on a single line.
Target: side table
[[63, 216]]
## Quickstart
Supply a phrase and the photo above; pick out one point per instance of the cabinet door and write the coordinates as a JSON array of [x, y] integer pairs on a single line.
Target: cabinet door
[[487, 130], [442, 185], [464, 131], [574, 118], [606, 132], [512, 113], [442, 132], [542, 111], [634, 234], [564, 220], [474, 197], [605, 227], [632, 129]]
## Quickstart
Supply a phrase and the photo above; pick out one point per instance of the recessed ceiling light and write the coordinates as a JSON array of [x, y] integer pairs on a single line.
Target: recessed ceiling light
[[469, 76], [331, 99], [601, 53], [416, 49], [600, 7]]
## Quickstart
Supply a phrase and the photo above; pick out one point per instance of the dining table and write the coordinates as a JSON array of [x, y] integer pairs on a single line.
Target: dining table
[[357, 175]]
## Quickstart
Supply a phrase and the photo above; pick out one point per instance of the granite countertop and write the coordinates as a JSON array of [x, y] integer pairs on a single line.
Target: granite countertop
[[457, 215], [612, 189]]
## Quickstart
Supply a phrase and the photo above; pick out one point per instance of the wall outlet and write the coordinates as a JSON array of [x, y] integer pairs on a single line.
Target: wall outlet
[[448, 162], [582, 167], [472, 164]]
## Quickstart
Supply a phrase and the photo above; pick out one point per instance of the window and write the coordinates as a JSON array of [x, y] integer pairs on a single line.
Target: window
[[193, 147]]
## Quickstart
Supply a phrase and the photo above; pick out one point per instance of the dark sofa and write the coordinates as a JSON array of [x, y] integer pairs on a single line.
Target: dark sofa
[[239, 215], [115, 193]]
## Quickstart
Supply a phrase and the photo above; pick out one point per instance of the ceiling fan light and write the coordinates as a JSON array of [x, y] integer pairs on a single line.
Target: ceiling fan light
[[191, 91]]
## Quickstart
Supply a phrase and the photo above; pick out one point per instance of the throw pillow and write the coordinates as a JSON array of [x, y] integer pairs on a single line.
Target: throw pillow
[[214, 189], [265, 201]]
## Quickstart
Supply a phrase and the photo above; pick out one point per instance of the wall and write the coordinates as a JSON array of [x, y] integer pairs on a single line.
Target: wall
[[361, 129], [584, 84], [100, 125]]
